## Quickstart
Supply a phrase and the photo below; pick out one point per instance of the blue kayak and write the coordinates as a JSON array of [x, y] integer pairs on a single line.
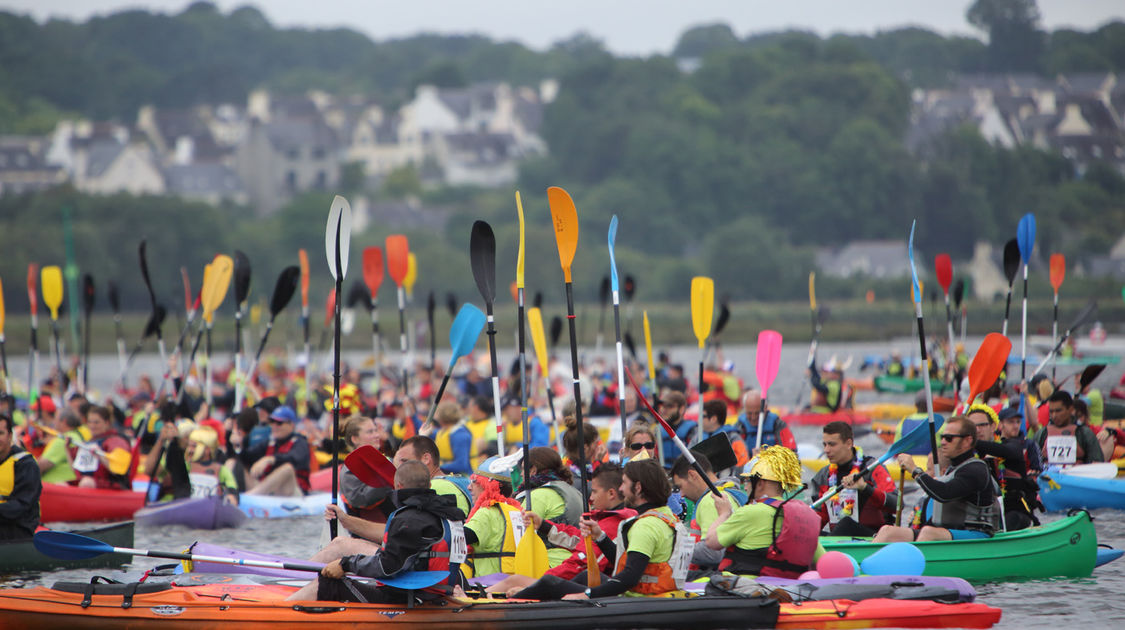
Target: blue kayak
[[1059, 492]]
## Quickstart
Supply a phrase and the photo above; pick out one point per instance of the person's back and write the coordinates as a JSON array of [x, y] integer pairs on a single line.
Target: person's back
[[20, 487]]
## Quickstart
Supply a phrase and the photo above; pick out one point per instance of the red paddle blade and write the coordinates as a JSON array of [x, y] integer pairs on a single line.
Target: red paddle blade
[[1058, 270], [943, 268], [371, 467], [373, 268], [987, 364], [514, 288], [303, 258], [329, 308], [33, 287], [398, 257]]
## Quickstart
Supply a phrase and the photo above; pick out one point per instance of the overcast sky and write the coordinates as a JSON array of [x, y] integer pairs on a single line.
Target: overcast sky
[[626, 26]]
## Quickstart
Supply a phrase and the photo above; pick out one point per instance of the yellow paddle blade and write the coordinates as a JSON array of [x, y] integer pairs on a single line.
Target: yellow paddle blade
[[221, 269], [565, 218], [531, 556], [256, 313], [648, 348], [411, 273], [702, 307], [519, 258], [1, 309], [538, 339], [812, 290], [119, 461], [51, 281]]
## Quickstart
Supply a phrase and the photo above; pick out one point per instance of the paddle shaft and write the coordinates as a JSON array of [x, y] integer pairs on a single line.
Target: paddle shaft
[[699, 420], [812, 355], [523, 399], [207, 372], [1023, 330], [305, 372], [577, 392], [120, 341], [376, 341], [402, 344], [58, 351], [3, 364], [332, 524], [901, 490], [1007, 309], [926, 381], [239, 393], [761, 422], [433, 336], [949, 325], [1055, 329], [495, 377], [85, 354], [620, 361], [859, 473]]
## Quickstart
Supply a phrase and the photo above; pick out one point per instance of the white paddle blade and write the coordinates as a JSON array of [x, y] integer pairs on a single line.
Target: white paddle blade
[[339, 218]]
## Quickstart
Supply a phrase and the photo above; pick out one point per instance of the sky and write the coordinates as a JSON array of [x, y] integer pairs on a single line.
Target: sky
[[630, 27]]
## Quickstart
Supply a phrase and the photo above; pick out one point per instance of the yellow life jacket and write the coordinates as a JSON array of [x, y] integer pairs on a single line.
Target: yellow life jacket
[[445, 449], [507, 553], [8, 474]]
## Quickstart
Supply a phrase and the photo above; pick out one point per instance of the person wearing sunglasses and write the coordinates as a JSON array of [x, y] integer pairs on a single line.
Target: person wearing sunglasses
[[283, 470], [964, 497], [639, 438]]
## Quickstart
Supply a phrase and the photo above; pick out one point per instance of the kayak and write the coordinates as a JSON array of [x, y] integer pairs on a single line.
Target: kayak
[[218, 606], [265, 506], [1059, 491], [898, 384], [196, 513], [885, 411], [21, 555], [65, 503], [820, 419], [893, 469], [1064, 548]]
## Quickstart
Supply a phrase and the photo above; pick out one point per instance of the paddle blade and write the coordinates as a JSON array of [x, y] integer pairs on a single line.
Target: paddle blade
[[564, 216], [52, 280], [537, 301], [141, 253], [152, 327], [357, 295], [371, 467], [958, 292], [329, 307], [68, 546], [556, 330], [465, 331], [1089, 374], [768, 359], [482, 257], [519, 256], [531, 556], [538, 337], [1084, 315], [241, 279], [119, 461], [451, 304], [913, 270], [398, 257], [917, 437], [724, 317], [373, 268], [33, 287], [1011, 260], [1058, 270], [338, 236], [216, 285], [943, 268], [648, 347], [514, 289], [284, 289], [1, 309], [987, 363], [303, 261], [114, 297], [1025, 236], [630, 287], [88, 295], [187, 289], [630, 344], [702, 307], [812, 290], [612, 259], [411, 273]]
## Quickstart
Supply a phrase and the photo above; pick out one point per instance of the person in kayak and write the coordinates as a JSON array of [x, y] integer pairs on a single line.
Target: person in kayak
[[283, 467], [866, 503], [54, 461], [91, 467], [965, 505], [651, 551], [454, 440], [423, 449], [495, 523], [20, 486], [999, 440], [1063, 441], [694, 488], [715, 422], [774, 534], [639, 438], [828, 394], [774, 429], [672, 406], [422, 535], [191, 471]]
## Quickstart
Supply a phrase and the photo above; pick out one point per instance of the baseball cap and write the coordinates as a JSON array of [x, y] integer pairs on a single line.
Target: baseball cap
[[284, 414]]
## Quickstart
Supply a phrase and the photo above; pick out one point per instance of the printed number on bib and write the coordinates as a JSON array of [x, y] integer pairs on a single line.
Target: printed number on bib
[[1062, 449], [458, 546], [681, 556], [516, 519], [203, 485], [85, 461]]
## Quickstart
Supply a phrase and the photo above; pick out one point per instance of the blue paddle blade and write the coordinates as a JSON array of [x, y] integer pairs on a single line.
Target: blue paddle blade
[[917, 436], [612, 259], [68, 546], [913, 271], [415, 579], [1025, 235], [464, 331]]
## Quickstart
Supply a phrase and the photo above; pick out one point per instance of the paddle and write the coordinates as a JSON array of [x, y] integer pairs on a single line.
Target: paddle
[[684, 450], [52, 281], [617, 323], [1089, 374], [1058, 272], [283, 291], [482, 257], [603, 299], [303, 263], [408, 284], [988, 363], [430, 306], [564, 217], [337, 239], [539, 342], [371, 467], [151, 295], [118, 460], [398, 264], [702, 308], [463, 335], [241, 293], [556, 331], [3, 351], [373, 277], [451, 304], [958, 295], [33, 350], [223, 270], [1011, 266], [1025, 235], [943, 268], [917, 289], [190, 307], [115, 305], [651, 363], [152, 327], [87, 311], [216, 281], [1084, 316], [767, 361], [915, 438]]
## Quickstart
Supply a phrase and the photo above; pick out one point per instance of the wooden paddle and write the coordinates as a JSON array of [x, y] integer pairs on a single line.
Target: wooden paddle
[[539, 342], [337, 241], [1011, 267], [482, 257], [943, 269], [398, 264], [767, 361], [373, 277], [617, 323], [1058, 273], [702, 309], [463, 335], [917, 290], [3, 351], [283, 291], [1025, 235], [52, 282]]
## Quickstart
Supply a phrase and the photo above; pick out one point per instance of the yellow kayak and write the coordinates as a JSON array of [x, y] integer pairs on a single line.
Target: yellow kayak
[[885, 411]]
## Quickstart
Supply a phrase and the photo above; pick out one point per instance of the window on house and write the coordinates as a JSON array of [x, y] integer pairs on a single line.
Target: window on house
[[291, 181], [321, 180], [292, 154], [318, 153]]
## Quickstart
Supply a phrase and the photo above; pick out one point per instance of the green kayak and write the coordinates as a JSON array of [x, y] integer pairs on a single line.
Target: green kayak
[[21, 555], [1064, 548], [904, 384]]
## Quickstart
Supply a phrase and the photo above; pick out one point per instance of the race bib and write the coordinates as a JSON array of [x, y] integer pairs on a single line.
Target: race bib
[[681, 556], [85, 461], [1062, 449], [458, 546], [516, 519], [203, 485]]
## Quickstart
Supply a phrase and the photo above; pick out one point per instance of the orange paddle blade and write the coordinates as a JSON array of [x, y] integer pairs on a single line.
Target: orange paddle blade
[[565, 218], [373, 268], [987, 363], [1, 309], [515, 289], [398, 257], [1058, 270], [33, 288], [303, 256]]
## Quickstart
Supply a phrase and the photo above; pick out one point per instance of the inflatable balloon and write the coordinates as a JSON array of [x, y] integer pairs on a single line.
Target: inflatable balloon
[[835, 564], [809, 575], [855, 566], [900, 558]]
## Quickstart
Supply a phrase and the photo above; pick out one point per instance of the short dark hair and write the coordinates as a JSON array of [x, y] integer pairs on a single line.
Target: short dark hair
[[412, 474], [1081, 409], [6, 419], [102, 412], [968, 429], [608, 476], [842, 429], [1062, 396], [681, 466], [483, 403], [715, 408], [654, 483], [422, 445]]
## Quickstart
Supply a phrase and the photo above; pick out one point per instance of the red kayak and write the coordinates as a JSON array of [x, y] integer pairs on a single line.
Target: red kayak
[[71, 504], [809, 418]]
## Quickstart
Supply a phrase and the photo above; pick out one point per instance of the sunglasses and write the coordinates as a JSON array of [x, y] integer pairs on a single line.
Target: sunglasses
[[272, 421], [950, 438], [636, 446]]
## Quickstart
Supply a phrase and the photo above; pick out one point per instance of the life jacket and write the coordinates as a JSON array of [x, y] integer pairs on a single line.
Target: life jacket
[[445, 554], [456, 487], [571, 497], [1065, 449], [8, 474], [729, 489], [290, 443], [792, 550], [658, 577], [978, 513], [750, 430], [513, 531]]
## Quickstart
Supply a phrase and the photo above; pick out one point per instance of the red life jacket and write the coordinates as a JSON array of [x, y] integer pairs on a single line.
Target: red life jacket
[[302, 472], [793, 547]]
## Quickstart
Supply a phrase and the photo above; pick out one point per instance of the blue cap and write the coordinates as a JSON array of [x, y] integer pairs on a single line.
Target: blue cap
[[284, 414]]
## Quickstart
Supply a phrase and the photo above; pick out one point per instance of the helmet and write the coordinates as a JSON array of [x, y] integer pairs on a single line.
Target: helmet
[[777, 463]]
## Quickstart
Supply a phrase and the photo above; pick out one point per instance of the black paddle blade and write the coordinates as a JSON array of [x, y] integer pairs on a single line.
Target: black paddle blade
[[144, 272], [822, 314], [556, 330], [630, 345], [114, 297], [958, 292], [724, 317], [241, 278], [603, 291], [152, 326], [451, 304], [537, 302], [630, 288], [482, 256], [359, 295], [88, 293], [430, 305], [284, 289], [1089, 374], [1011, 260]]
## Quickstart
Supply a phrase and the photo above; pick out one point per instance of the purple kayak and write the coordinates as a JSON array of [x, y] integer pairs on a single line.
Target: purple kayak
[[200, 513], [208, 549]]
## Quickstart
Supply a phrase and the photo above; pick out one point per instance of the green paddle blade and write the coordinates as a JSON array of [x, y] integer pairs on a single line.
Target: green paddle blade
[[465, 331]]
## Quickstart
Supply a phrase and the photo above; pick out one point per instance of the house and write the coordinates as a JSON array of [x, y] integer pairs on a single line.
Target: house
[[210, 182], [478, 158], [285, 157], [23, 167], [107, 166], [875, 259]]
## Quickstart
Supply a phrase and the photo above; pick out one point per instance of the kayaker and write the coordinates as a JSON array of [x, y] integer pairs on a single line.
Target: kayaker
[[715, 422], [965, 505], [483, 427], [423, 449], [921, 415], [774, 429], [422, 535], [92, 468], [495, 523], [651, 551], [694, 488], [1017, 461], [1095, 402], [194, 470], [20, 486], [639, 438], [672, 406], [894, 365], [283, 469], [828, 388], [454, 440], [774, 534], [595, 449], [866, 503], [54, 461], [511, 412], [553, 496], [1063, 441]]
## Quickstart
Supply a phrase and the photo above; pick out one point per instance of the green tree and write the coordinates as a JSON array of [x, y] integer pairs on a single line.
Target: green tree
[[1015, 42]]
